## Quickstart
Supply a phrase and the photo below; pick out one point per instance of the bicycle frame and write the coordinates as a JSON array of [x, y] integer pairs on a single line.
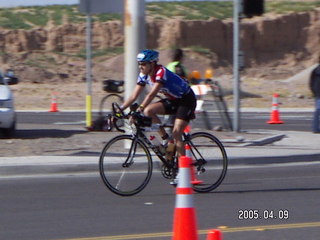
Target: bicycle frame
[[186, 139], [140, 134]]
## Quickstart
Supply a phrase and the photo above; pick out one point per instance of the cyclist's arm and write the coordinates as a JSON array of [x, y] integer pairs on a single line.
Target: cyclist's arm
[[136, 92], [151, 95]]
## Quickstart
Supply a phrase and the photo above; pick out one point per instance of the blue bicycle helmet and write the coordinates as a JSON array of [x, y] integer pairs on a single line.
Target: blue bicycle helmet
[[148, 56]]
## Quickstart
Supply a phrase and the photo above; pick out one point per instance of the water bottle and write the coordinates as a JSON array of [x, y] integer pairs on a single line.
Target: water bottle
[[170, 150], [157, 143]]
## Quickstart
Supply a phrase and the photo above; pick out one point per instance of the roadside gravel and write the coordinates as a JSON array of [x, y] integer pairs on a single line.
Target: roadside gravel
[[67, 140]]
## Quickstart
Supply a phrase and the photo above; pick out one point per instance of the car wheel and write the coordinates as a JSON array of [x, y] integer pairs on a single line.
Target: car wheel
[[9, 132]]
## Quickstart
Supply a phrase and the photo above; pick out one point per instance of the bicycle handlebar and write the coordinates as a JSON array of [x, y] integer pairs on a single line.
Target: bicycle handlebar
[[119, 114], [115, 124]]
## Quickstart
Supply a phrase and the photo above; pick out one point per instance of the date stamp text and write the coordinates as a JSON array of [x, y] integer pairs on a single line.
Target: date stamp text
[[256, 214]]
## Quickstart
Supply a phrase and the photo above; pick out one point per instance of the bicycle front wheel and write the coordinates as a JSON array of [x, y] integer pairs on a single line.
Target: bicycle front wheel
[[210, 161], [125, 165]]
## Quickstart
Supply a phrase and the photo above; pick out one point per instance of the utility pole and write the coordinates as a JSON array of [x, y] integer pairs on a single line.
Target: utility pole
[[135, 38], [90, 7], [247, 8], [89, 70], [236, 72]]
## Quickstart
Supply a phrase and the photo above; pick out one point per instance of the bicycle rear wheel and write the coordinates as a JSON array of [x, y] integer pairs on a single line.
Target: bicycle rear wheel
[[125, 165], [105, 109], [106, 103], [210, 160]]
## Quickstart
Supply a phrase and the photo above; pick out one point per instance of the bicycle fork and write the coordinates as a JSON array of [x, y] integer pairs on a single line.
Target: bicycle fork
[[129, 161]]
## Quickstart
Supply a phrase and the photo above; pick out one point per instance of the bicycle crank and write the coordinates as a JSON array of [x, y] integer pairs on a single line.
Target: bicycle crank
[[167, 172]]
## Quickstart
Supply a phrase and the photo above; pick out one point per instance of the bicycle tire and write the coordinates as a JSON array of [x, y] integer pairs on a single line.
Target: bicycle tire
[[208, 176], [105, 106], [125, 180]]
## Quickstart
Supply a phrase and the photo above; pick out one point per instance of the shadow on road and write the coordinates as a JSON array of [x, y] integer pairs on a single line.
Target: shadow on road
[[46, 133]]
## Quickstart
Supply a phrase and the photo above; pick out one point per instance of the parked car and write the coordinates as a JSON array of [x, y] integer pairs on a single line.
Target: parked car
[[7, 111]]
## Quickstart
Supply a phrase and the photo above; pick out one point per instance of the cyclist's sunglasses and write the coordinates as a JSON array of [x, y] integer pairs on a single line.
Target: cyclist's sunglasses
[[142, 63]]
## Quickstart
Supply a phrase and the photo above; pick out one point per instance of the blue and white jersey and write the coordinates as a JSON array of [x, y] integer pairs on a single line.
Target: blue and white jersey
[[173, 85]]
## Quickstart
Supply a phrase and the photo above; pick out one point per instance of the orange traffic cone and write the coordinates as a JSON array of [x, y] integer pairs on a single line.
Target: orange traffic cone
[[54, 104], [275, 116], [194, 180], [184, 224], [214, 234]]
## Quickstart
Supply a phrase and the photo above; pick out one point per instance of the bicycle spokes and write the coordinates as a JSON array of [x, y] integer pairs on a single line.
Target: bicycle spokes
[[125, 165], [210, 161]]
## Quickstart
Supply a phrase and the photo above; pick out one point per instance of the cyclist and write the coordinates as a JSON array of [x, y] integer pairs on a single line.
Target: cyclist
[[180, 99]]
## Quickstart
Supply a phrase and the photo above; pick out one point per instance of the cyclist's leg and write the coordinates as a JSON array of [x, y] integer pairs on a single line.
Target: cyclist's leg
[[178, 128], [152, 110], [184, 113]]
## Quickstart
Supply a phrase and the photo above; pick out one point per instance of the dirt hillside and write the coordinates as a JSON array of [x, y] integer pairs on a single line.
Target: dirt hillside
[[278, 50]]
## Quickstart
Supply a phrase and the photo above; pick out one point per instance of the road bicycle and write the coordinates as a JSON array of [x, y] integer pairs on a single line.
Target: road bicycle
[[126, 162]]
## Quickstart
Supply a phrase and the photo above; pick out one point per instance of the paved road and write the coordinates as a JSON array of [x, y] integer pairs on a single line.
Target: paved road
[[77, 206], [293, 120]]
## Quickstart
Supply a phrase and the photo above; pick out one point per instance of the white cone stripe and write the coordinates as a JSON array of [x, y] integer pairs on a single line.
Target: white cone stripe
[[184, 178], [184, 201], [188, 153]]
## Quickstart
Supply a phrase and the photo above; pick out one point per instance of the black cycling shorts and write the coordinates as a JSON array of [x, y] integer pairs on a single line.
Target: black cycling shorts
[[183, 107]]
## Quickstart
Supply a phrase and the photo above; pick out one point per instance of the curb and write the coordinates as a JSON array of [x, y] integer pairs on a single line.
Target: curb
[[264, 141], [82, 168], [10, 171], [81, 164], [274, 159]]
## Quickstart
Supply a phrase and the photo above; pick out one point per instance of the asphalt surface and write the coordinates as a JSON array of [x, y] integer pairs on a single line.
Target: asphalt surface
[[81, 207], [250, 147]]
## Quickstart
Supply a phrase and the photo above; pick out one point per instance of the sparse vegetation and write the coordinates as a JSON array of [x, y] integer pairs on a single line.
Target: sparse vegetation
[[190, 10], [11, 20], [38, 18], [28, 17], [112, 51], [200, 49], [281, 7]]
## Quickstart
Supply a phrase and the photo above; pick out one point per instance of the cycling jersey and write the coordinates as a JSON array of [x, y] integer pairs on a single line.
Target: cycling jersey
[[173, 85]]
